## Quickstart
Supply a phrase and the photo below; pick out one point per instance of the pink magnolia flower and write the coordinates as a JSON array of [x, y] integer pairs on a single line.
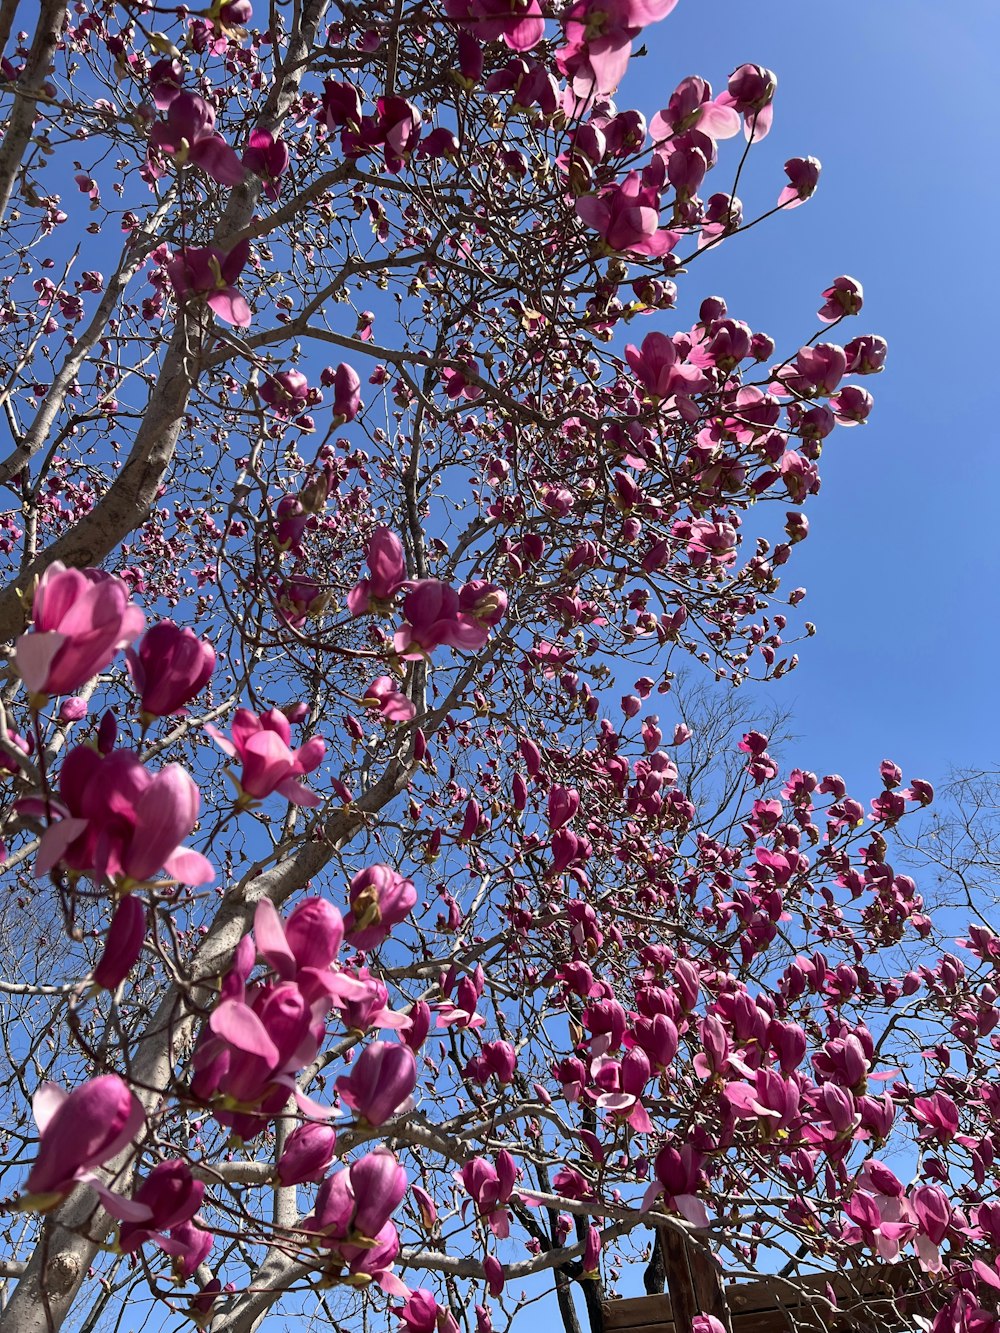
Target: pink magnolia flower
[[660, 369], [387, 574], [438, 615], [252, 1050], [81, 617], [346, 392], [79, 1131], [517, 23], [803, 176], [190, 1246], [287, 391], [308, 1152], [170, 666], [380, 898], [212, 273], [692, 106], [172, 1197], [844, 296], [751, 94], [188, 135], [866, 354], [263, 746], [268, 158], [599, 41], [490, 1188], [384, 694], [381, 1082], [359, 1200], [117, 820], [422, 1314], [309, 940], [126, 936], [627, 218], [166, 78], [679, 1178]]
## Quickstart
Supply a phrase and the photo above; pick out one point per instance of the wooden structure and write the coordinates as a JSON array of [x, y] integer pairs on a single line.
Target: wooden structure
[[864, 1300]]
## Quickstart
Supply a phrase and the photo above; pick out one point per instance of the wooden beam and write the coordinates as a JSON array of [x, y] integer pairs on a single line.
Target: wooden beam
[[694, 1281], [867, 1299]]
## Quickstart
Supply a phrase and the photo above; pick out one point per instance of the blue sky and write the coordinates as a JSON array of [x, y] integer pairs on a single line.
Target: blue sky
[[897, 99]]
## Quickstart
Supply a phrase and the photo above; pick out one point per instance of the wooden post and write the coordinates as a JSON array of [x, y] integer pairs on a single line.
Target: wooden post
[[694, 1280]]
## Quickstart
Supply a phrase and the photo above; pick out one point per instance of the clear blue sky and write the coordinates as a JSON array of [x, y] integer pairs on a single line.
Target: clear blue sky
[[898, 100]]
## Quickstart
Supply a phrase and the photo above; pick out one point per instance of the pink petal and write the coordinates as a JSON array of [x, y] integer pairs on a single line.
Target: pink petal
[[230, 305], [692, 1209], [46, 1102], [238, 1025], [33, 654], [269, 935], [189, 867]]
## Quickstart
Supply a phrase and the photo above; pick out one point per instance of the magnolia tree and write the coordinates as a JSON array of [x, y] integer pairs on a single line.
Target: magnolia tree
[[381, 934]]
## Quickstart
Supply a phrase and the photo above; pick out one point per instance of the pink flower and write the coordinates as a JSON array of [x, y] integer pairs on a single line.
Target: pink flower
[[438, 615], [79, 1131], [384, 694], [268, 158], [381, 1082], [751, 94], [188, 135], [170, 666], [346, 392], [517, 23], [81, 618], [380, 899], [387, 569], [803, 176], [844, 296], [263, 746], [692, 106], [308, 1152], [309, 939], [358, 1201], [599, 41], [422, 1314], [210, 272], [287, 392], [660, 370], [117, 820], [627, 217], [166, 78], [122, 948], [490, 1188], [172, 1197]]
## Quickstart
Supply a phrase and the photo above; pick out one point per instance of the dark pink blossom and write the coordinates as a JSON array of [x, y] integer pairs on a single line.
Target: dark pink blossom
[[126, 936], [188, 135], [81, 617], [627, 218], [307, 1153], [209, 272], [115, 819], [170, 666], [803, 176], [380, 898], [80, 1131], [387, 574], [381, 1082], [264, 747], [268, 158], [384, 695]]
